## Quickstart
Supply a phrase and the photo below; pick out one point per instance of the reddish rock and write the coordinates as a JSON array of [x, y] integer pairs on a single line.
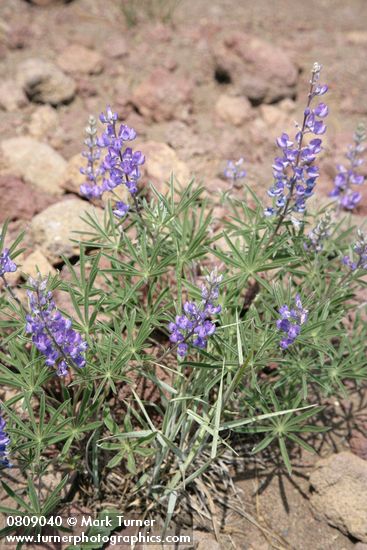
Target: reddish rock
[[85, 88], [260, 70], [116, 47], [18, 37], [163, 96], [19, 201]]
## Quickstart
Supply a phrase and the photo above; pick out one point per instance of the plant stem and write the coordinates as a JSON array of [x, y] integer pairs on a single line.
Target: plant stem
[[284, 212], [11, 292]]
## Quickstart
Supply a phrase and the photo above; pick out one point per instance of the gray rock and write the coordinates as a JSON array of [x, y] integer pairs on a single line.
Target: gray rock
[[53, 229], [44, 121], [233, 110], [12, 96], [43, 82], [35, 162], [163, 161], [36, 263], [80, 60], [340, 493]]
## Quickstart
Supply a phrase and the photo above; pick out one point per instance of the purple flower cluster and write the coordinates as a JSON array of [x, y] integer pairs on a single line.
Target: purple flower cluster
[[4, 442], [316, 237], [6, 263], [360, 249], [52, 334], [119, 165], [290, 322], [194, 325], [233, 171], [346, 177], [294, 172]]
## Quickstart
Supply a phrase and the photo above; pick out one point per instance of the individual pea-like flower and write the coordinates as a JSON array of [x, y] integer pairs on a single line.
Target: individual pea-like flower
[[320, 233], [6, 263], [294, 171], [233, 171], [4, 443], [52, 333], [194, 325], [121, 209], [359, 260], [346, 177], [118, 165], [290, 322]]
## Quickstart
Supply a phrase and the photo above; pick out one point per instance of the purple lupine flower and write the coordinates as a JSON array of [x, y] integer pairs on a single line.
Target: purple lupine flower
[[316, 237], [233, 171], [121, 209], [290, 322], [52, 334], [90, 189], [119, 165], [360, 249], [195, 326], [346, 177], [294, 172], [4, 443], [6, 263]]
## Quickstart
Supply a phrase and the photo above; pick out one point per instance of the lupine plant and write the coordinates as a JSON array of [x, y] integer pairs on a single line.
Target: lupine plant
[[181, 337], [342, 192]]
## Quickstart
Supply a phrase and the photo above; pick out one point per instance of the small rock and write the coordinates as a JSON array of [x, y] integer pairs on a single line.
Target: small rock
[[163, 96], [35, 162], [79, 59], [44, 82], [340, 493], [163, 161], [18, 36], [235, 110], [44, 120], [36, 263], [85, 87], [259, 69], [53, 229], [116, 47], [19, 201], [12, 96], [358, 444]]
